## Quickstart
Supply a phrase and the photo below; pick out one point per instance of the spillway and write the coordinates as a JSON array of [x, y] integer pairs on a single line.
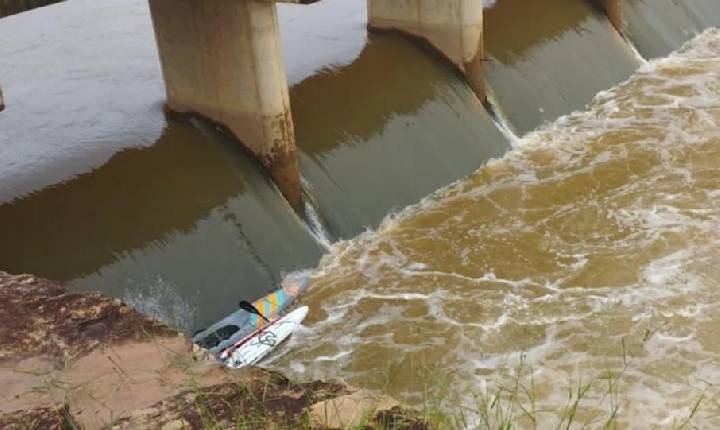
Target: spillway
[[99, 190], [385, 130], [586, 256], [182, 229], [658, 27], [587, 250], [549, 58]]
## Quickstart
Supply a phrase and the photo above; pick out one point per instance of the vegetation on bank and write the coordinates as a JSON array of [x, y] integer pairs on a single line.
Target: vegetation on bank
[[76, 360], [81, 356], [596, 402]]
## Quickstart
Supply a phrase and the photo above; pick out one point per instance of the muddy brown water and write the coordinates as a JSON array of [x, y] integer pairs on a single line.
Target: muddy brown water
[[590, 244]]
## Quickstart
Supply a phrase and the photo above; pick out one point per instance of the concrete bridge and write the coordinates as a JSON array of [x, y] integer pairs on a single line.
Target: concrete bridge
[[222, 60]]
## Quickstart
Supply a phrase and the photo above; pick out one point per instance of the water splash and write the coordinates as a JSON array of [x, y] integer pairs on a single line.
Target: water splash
[[160, 300], [590, 245], [314, 222]]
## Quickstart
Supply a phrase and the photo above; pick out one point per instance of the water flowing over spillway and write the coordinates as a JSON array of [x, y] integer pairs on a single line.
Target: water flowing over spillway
[[99, 190], [379, 122], [382, 132], [173, 229], [548, 58], [587, 248], [658, 27], [592, 246]]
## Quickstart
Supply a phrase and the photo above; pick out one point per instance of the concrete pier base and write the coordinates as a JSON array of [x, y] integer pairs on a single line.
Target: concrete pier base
[[222, 59], [454, 27]]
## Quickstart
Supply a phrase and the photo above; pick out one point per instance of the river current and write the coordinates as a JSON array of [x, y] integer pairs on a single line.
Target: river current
[[588, 253], [590, 249]]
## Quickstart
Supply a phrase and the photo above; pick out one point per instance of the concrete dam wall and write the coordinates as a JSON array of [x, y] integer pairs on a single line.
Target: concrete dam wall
[[175, 214]]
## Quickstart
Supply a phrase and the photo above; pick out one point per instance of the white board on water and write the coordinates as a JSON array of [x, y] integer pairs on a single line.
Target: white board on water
[[259, 344]]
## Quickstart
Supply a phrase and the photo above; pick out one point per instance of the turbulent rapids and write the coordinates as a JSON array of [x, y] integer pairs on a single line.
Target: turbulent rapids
[[576, 270], [590, 248]]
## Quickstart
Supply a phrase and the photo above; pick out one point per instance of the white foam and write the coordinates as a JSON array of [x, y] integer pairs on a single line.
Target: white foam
[[573, 320], [335, 357], [160, 300]]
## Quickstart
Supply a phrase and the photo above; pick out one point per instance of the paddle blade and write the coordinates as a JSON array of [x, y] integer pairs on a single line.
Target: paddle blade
[[248, 307]]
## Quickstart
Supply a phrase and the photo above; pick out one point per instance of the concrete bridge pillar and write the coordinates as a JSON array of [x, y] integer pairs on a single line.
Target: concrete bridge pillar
[[454, 27], [222, 60]]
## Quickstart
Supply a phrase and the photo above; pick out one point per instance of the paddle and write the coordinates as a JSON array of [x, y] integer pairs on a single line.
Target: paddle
[[248, 307]]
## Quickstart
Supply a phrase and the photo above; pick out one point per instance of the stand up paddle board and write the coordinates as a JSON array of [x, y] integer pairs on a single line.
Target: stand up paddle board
[[256, 346], [241, 324]]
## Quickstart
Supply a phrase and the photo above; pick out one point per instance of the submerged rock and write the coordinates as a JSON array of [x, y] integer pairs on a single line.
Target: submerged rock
[[75, 360]]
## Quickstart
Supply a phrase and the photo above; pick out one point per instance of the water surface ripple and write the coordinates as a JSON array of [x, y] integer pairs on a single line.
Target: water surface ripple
[[593, 244]]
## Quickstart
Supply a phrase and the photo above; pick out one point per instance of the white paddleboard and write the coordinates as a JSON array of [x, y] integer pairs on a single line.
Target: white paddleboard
[[256, 346]]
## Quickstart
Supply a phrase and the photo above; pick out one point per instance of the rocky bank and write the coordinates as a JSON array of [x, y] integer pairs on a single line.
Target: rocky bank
[[75, 360]]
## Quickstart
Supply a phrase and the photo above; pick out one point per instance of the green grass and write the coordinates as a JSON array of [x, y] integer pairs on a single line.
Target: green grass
[[591, 403]]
